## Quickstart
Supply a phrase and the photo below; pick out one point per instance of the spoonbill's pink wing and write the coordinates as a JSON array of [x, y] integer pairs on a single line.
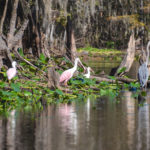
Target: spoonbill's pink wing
[[66, 75], [11, 73]]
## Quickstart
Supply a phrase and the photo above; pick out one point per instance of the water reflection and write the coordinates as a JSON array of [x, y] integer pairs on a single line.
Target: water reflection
[[99, 64], [101, 124], [130, 109], [144, 126]]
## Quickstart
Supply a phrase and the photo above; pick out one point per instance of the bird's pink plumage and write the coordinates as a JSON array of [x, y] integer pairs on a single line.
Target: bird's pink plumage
[[11, 73], [65, 76]]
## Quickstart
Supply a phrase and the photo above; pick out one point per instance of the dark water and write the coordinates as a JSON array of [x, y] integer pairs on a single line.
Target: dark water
[[99, 64], [92, 125]]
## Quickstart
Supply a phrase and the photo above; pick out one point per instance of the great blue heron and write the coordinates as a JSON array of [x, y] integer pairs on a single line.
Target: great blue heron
[[143, 72]]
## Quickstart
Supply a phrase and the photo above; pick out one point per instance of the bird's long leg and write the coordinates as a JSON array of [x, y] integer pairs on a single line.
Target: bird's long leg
[[146, 86], [9, 82], [65, 83]]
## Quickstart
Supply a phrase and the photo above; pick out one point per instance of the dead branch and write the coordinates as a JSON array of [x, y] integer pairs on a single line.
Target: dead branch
[[120, 79], [29, 63], [100, 79], [125, 80]]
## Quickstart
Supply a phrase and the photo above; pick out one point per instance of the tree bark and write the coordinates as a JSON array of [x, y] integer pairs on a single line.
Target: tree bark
[[129, 57], [12, 41], [3, 17], [119, 79], [12, 23], [71, 44], [53, 78]]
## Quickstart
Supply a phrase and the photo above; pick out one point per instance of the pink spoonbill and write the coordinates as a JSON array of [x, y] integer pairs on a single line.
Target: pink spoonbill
[[66, 75], [11, 72]]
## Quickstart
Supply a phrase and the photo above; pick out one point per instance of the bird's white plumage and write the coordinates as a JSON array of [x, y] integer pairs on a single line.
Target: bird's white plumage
[[88, 73], [11, 72]]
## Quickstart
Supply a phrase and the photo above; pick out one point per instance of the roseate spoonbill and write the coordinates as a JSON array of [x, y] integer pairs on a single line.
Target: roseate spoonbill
[[143, 72], [88, 73], [66, 75], [11, 72]]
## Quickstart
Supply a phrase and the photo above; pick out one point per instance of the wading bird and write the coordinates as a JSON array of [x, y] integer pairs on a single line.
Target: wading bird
[[66, 75], [88, 73], [11, 72], [143, 72]]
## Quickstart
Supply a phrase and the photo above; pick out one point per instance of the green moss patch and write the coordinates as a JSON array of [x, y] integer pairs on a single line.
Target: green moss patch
[[93, 51]]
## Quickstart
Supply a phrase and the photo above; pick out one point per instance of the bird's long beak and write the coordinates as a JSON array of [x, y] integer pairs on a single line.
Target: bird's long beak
[[82, 65]]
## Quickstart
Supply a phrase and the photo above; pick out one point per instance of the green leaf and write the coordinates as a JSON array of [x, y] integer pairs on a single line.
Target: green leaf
[[80, 96], [103, 92], [59, 92], [104, 83], [32, 68], [112, 77], [42, 58], [126, 85], [143, 93], [6, 93], [15, 87], [121, 70], [27, 93], [20, 50], [2, 84], [132, 84]]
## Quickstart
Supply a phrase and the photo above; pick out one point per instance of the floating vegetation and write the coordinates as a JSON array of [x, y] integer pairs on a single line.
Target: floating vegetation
[[29, 89]]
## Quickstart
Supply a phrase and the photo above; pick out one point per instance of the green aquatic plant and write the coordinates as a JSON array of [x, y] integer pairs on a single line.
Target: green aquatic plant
[[136, 84], [121, 70], [29, 88], [92, 50]]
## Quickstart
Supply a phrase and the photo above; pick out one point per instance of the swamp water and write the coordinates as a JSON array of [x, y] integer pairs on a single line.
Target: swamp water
[[92, 124]]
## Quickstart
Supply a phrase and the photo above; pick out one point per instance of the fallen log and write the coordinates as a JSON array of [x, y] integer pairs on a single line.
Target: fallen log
[[100, 79], [126, 80], [120, 79]]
